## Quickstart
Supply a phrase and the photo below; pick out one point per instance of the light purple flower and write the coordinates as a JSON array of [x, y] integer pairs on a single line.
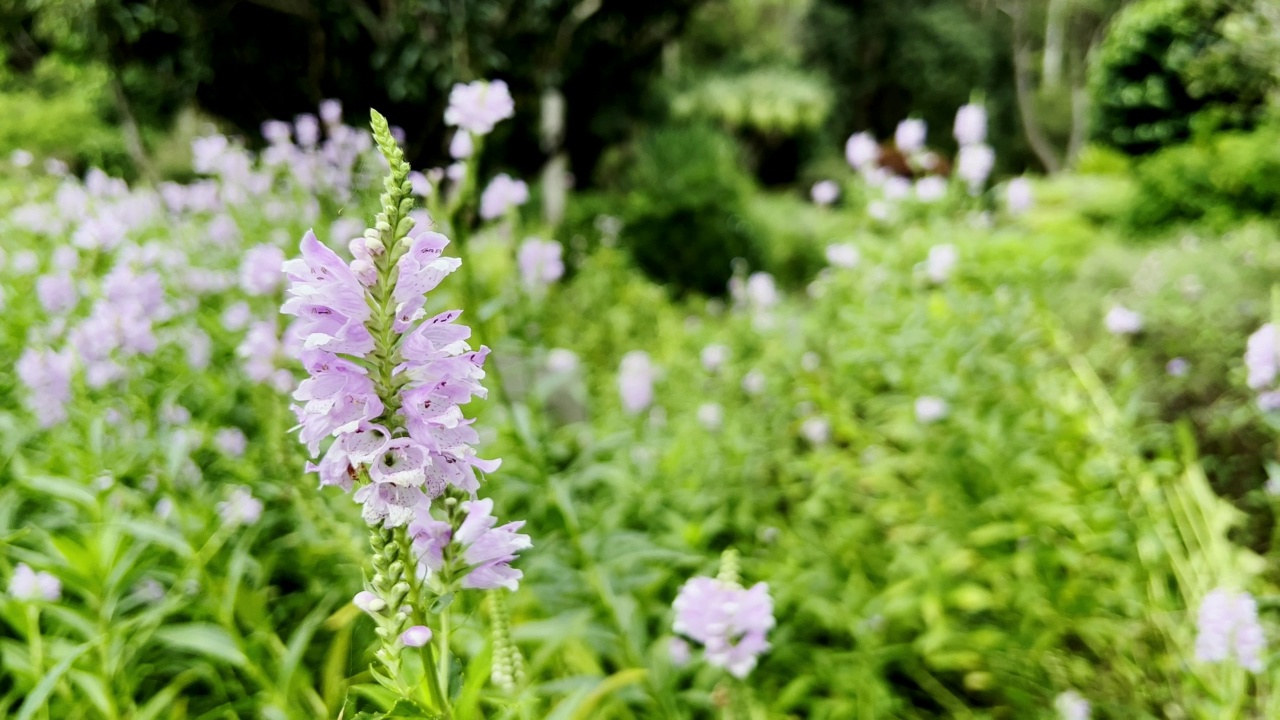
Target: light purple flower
[[416, 636], [21, 158], [731, 622], [306, 128], [1262, 356], [1123, 321], [1228, 627], [478, 106], [1071, 705], [331, 112], [909, 135], [57, 292], [861, 150], [485, 551], [636, 374], [328, 300], [337, 398], [679, 651], [368, 602], [1177, 367], [488, 550], [971, 124], [502, 194], [461, 147], [240, 508], [27, 584], [824, 192], [260, 270], [540, 262], [230, 441], [277, 132], [47, 375]]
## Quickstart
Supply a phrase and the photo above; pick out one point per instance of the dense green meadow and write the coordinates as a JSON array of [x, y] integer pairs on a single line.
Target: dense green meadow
[[990, 437]]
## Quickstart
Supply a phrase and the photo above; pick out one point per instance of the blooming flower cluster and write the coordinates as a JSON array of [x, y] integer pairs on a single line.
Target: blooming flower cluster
[[1262, 360], [635, 381], [1228, 628], [730, 622], [540, 262], [386, 383]]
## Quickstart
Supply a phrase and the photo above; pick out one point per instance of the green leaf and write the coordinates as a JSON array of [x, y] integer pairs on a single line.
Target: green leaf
[[203, 639], [45, 687]]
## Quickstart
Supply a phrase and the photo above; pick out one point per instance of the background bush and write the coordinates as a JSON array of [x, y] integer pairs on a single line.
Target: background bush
[[1165, 62], [1218, 181]]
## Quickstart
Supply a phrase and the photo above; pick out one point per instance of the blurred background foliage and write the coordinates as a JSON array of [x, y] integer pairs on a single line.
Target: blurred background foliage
[[692, 131]]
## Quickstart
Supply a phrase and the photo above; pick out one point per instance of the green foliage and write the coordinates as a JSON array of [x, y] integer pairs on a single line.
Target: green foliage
[[61, 110], [684, 208], [888, 60], [1201, 298], [1164, 62], [1216, 181], [771, 102]]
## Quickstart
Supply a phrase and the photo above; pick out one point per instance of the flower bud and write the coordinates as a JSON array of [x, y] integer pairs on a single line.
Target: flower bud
[[416, 636], [368, 602]]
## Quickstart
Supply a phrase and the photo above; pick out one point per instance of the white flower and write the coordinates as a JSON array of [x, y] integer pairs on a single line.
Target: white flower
[[714, 356], [461, 146], [635, 381], [1071, 706], [843, 255], [754, 382], [1262, 356], [27, 584], [816, 430], [1123, 321], [479, 105], [502, 194], [971, 124], [974, 164], [1018, 197], [910, 134], [242, 508], [896, 188], [931, 188], [711, 415], [930, 409], [560, 360], [861, 150], [941, 262], [1228, 625], [825, 192]]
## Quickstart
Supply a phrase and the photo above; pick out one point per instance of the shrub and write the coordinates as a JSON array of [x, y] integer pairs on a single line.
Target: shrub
[[1217, 181], [1200, 300], [684, 208], [1166, 61]]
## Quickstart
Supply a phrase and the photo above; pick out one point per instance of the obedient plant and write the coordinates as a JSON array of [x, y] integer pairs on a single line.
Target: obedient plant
[[385, 387]]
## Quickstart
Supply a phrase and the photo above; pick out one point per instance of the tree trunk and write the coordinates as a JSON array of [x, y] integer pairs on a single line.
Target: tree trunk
[[1025, 93]]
